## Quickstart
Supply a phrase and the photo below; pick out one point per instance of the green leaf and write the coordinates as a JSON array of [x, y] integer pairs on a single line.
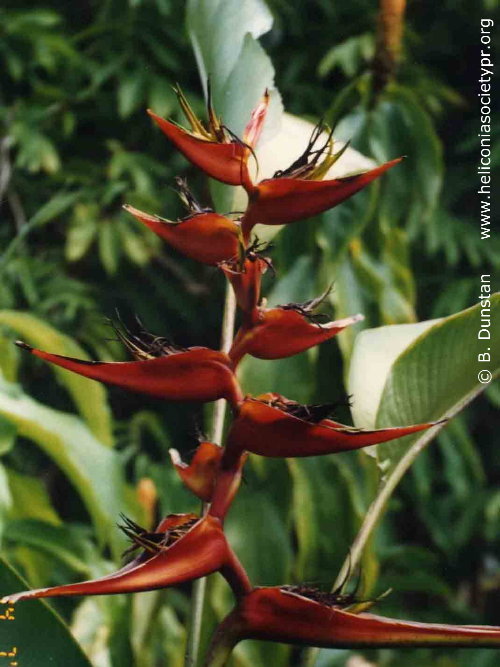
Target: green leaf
[[109, 248], [130, 92], [220, 35], [411, 374], [36, 635], [94, 469], [437, 375], [64, 543], [255, 530], [8, 434], [30, 499], [81, 232], [375, 351], [89, 397], [59, 203]]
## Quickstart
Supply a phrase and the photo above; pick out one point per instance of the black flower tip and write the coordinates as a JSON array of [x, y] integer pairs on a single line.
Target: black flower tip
[[23, 345]]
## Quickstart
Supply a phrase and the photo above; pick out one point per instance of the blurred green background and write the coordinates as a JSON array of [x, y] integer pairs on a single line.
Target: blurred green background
[[75, 145]]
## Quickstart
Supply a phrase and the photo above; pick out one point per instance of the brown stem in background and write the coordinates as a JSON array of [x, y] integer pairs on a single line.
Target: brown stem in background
[[388, 44]]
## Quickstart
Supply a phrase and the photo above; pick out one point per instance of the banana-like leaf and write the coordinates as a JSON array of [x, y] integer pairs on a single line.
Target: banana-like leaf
[[31, 634], [88, 396], [420, 372], [224, 37], [93, 468], [414, 373]]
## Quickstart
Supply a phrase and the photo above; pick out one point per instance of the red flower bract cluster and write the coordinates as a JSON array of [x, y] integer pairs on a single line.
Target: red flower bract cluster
[[184, 546]]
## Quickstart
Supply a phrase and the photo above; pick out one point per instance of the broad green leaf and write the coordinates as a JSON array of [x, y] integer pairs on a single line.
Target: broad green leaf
[[88, 396], [36, 635], [30, 499], [375, 351], [220, 33], [94, 469], [428, 372], [8, 434], [64, 543], [437, 375]]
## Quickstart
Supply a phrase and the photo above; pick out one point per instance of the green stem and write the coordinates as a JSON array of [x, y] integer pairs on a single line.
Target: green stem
[[219, 413]]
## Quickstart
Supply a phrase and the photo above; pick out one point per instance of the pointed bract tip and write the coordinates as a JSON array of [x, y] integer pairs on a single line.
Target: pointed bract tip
[[341, 324], [15, 597], [175, 457], [23, 345]]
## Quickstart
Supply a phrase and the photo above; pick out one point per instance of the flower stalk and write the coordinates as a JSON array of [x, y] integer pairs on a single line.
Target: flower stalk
[[219, 412]]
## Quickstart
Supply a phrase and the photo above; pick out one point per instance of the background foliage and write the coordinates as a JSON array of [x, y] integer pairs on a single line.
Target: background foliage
[[75, 145]]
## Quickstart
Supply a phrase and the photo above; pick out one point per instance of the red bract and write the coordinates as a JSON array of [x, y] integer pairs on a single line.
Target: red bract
[[182, 548], [294, 616], [275, 333], [227, 482], [274, 426], [208, 238], [192, 374], [212, 147], [200, 475], [281, 200], [245, 278]]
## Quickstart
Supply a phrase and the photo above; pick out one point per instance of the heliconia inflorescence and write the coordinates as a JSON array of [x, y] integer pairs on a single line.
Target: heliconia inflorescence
[[184, 547]]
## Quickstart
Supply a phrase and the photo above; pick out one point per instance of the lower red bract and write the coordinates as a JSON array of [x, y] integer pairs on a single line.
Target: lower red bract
[[276, 615], [265, 429], [203, 549]]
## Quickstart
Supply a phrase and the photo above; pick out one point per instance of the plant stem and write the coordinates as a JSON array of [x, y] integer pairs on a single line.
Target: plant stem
[[225, 345], [219, 413]]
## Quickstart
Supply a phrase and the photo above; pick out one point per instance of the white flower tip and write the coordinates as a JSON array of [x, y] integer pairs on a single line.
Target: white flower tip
[[342, 324], [15, 597], [175, 457]]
